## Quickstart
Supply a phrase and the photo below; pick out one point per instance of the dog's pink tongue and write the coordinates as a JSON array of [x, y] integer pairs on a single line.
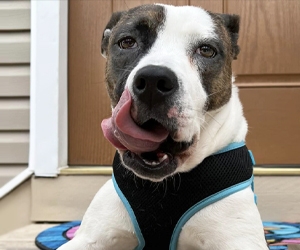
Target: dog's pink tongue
[[124, 133]]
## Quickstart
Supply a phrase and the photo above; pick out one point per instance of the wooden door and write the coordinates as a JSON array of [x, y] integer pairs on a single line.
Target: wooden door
[[268, 73], [87, 100], [267, 69]]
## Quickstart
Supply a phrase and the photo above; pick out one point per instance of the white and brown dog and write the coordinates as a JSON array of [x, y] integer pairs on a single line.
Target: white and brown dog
[[175, 111]]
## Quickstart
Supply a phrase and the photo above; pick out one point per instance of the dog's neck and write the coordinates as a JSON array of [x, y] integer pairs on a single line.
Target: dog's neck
[[221, 127], [225, 125]]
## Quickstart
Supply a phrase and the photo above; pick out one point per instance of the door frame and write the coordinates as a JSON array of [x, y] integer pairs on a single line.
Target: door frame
[[48, 150]]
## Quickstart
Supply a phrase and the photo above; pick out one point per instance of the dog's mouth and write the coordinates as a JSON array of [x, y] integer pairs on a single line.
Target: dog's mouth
[[159, 164], [154, 165], [147, 149]]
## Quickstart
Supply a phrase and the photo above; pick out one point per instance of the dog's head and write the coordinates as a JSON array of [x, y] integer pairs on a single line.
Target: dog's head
[[166, 68]]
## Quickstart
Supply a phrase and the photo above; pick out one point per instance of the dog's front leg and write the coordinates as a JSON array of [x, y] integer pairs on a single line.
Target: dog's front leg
[[232, 223], [106, 224]]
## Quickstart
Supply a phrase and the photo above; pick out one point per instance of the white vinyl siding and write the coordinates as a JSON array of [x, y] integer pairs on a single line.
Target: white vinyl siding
[[14, 87], [15, 15], [14, 47], [14, 81]]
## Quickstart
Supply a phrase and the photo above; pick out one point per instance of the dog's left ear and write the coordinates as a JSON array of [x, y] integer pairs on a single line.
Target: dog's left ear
[[232, 24], [115, 18]]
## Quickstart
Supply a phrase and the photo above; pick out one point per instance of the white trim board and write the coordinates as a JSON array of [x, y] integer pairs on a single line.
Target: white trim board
[[48, 92], [48, 120]]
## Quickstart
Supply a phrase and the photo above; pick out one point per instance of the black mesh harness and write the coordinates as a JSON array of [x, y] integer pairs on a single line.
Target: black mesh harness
[[159, 210]]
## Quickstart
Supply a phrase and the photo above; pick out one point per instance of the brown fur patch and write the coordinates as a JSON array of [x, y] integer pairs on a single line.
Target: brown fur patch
[[142, 23], [220, 86]]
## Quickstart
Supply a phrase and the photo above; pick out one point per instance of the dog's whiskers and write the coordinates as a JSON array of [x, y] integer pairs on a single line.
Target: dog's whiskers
[[134, 178], [179, 182], [213, 118], [157, 185], [165, 187], [204, 113], [127, 69], [127, 7]]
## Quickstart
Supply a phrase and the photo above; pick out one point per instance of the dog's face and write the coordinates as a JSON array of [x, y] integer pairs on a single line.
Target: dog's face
[[166, 68]]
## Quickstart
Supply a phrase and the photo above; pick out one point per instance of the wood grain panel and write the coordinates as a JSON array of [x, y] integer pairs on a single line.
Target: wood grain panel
[[14, 114], [14, 147], [269, 36], [274, 124], [15, 47], [88, 100], [212, 5], [14, 15], [268, 81], [119, 5], [14, 81]]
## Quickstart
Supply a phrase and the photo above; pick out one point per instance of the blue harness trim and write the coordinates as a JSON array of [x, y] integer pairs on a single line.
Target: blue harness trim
[[194, 209]]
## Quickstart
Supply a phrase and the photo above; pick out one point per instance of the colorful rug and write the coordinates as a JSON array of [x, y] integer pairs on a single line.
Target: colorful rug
[[54, 237], [281, 234], [278, 234]]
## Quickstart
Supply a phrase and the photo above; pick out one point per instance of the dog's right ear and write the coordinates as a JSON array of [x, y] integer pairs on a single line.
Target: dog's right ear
[[232, 24], [115, 18]]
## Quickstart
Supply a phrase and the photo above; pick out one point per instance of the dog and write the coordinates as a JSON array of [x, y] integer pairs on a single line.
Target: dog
[[176, 122]]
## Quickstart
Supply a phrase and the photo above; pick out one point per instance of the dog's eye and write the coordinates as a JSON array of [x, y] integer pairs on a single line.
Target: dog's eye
[[206, 51], [127, 43]]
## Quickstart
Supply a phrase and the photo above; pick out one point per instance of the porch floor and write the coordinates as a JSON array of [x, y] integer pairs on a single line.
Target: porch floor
[[22, 238]]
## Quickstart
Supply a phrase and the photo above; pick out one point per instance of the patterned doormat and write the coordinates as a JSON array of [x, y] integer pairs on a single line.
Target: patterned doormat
[[278, 234]]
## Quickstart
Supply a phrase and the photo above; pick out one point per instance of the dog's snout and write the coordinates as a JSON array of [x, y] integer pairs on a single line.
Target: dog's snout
[[153, 84]]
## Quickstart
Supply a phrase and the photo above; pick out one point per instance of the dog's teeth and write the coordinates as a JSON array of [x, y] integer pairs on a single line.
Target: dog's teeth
[[161, 159], [147, 162], [165, 157], [153, 163]]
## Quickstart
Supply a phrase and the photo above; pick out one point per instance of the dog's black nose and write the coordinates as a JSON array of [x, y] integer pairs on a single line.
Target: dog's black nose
[[154, 84]]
